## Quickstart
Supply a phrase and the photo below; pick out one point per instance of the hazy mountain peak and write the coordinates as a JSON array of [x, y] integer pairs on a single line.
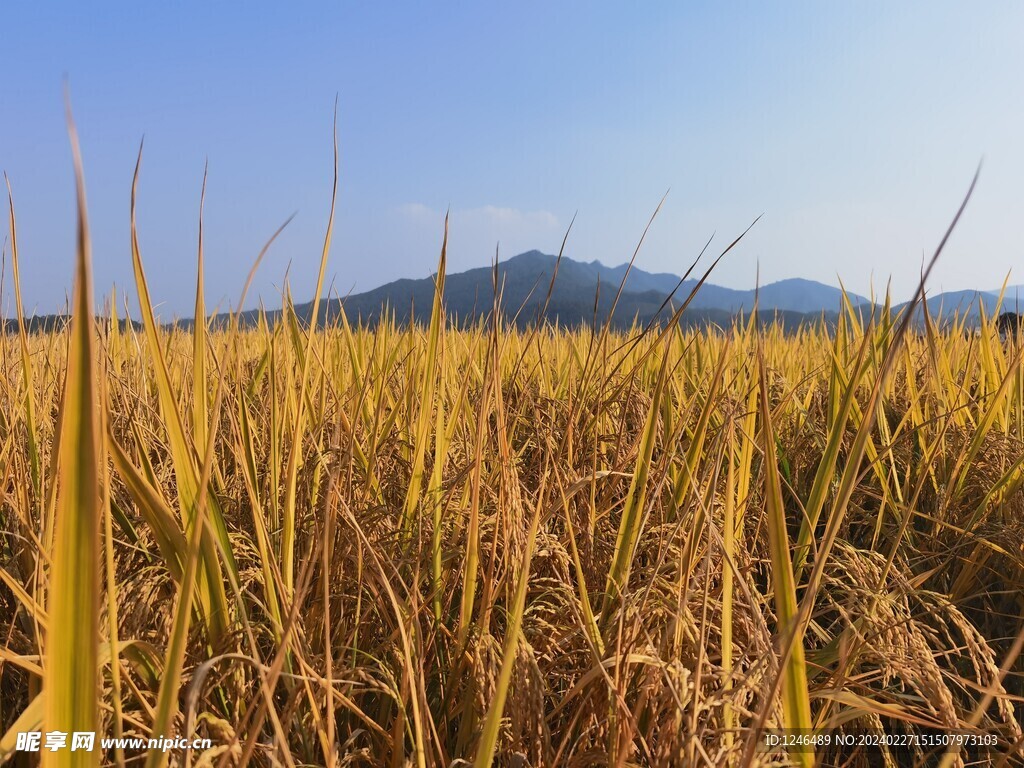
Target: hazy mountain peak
[[526, 279]]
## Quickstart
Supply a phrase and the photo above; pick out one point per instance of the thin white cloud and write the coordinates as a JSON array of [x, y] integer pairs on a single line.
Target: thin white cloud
[[415, 211], [512, 216], [492, 215]]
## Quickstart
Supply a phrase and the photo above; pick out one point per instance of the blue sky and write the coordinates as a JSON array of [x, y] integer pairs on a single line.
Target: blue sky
[[853, 127]]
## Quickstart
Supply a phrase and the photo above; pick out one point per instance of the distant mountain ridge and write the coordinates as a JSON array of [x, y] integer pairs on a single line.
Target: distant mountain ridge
[[581, 293], [584, 292], [967, 303]]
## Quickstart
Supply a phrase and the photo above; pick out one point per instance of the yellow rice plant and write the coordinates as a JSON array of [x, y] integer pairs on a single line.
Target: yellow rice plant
[[315, 540]]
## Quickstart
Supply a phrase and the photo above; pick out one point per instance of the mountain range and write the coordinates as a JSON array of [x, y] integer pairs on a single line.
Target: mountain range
[[581, 293], [585, 291]]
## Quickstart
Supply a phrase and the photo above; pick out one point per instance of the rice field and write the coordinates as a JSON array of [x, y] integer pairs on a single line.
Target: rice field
[[320, 544]]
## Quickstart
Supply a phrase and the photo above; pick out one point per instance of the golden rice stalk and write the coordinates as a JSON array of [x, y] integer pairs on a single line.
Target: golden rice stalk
[[158, 516], [472, 559], [633, 511], [728, 563], [435, 495], [110, 574], [183, 455], [427, 387], [27, 523], [796, 705], [250, 474], [72, 645], [292, 470], [492, 723], [174, 661], [26, 358], [825, 475], [170, 684], [199, 403]]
